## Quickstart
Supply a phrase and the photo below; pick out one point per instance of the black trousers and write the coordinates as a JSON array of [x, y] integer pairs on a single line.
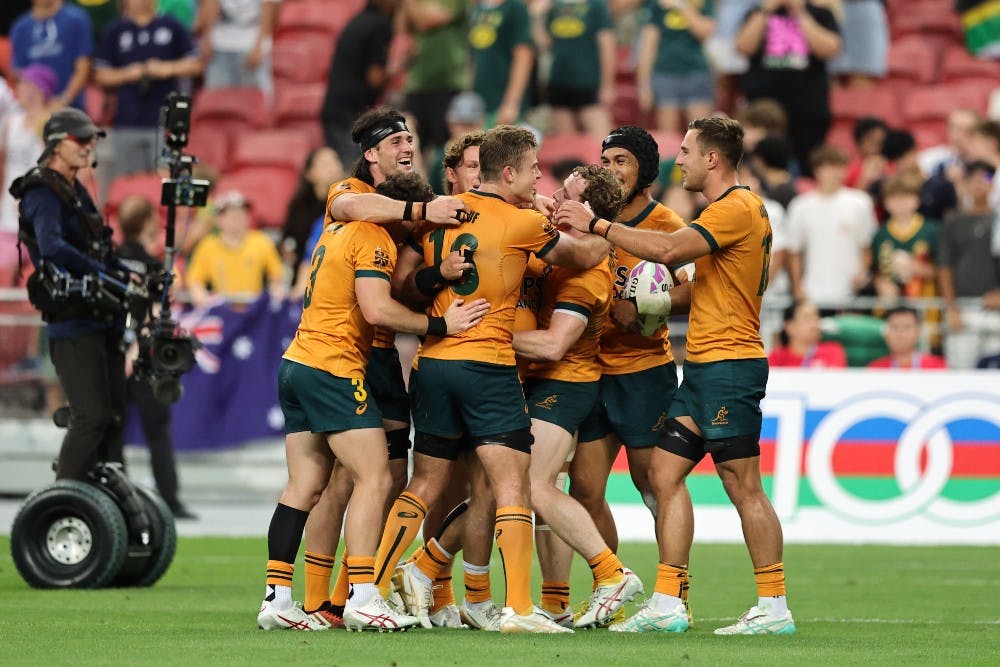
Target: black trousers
[[91, 370], [154, 417]]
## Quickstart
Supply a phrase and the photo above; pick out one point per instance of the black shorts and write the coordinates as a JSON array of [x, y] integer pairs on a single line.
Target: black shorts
[[571, 98]]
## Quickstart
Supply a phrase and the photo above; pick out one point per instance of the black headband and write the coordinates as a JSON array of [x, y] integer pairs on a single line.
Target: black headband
[[373, 136]]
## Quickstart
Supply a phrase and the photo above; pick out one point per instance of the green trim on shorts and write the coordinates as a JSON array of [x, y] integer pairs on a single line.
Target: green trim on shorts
[[722, 397], [565, 404]]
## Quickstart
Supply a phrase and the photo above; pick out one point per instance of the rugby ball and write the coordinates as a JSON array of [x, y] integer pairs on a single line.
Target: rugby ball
[[648, 283]]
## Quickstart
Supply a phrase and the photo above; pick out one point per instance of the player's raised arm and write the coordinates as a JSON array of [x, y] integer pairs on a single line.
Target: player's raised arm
[[383, 210], [379, 309]]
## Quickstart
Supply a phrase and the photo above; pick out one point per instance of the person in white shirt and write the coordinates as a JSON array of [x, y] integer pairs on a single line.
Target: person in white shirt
[[829, 234], [236, 42]]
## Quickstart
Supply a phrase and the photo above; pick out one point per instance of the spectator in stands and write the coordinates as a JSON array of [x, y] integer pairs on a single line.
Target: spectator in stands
[[729, 64], [985, 146], [868, 165], [502, 58], [438, 70], [236, 42], [142, 57], [968, 270], [237, 263], [579, 36], [762, 118], [981, 24], [58, 35], [358, 74], [182, 10], [466, 113], [904, 248], [101, 13], [673, 74], [949, 159], [800, 341], [937, 194], [865, 53], [830, 232], [902, 337], [771, 160], [140, 224], [789, 43], [322, 168], [21, 142]]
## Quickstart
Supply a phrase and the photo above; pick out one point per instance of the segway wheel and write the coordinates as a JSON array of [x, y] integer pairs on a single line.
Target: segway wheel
[[145, 566], [69, 534]]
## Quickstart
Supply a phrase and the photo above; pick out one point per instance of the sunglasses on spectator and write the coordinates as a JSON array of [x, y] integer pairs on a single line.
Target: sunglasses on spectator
[[83, 141]]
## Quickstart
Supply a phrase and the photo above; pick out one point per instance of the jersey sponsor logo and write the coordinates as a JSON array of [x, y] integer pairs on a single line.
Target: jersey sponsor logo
[[381, 258], [360, 410], [405, 514], [548, 402], [721, 417], [344, 186]]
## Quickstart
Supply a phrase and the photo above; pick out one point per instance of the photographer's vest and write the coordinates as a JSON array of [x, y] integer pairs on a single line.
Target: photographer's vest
[[96, 243]]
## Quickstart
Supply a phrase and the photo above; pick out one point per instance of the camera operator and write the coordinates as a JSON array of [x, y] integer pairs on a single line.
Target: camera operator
[[64, 234]]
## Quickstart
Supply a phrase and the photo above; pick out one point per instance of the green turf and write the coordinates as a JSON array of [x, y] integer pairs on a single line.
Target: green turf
[[853, 605]]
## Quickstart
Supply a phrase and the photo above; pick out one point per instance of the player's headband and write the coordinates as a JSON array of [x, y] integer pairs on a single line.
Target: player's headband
[[373, 136]]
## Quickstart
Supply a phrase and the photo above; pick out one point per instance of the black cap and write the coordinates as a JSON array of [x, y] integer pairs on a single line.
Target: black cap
[[68, 122]]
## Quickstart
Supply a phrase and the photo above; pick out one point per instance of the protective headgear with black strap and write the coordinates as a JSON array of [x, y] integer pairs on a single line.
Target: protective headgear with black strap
[[643, 147]]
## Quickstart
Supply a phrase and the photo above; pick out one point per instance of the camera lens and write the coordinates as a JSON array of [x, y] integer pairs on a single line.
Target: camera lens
[[167, 389]]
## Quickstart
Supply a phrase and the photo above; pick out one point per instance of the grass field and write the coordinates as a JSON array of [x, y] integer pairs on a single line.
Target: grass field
[[853, 605]]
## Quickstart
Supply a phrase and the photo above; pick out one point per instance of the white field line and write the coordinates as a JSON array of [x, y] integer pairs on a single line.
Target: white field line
[[886, 621]]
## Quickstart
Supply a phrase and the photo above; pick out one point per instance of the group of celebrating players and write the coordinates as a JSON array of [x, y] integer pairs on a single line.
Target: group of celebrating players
[[533, 367]]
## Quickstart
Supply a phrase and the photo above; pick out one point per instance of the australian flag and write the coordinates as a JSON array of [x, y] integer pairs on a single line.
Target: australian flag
[[231, 395]]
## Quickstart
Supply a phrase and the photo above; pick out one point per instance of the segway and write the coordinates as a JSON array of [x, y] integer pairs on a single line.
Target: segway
[[102, 532]]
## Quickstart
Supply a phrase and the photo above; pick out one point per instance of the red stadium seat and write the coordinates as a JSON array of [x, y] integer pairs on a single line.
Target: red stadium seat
[[147, 185], [284, 148], [298, 103], [268, 190], [934, 103], [210, 144], [852, 103], [925, 17], [930, 134], [841, 135], [231, 109], [670, 144], [960, 65], [913, 58], [5, 58], [298, 18], [563, 146], [304, 59]]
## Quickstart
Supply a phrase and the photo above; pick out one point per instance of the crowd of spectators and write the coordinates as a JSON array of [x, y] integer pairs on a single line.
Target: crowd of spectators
[[884, 214]]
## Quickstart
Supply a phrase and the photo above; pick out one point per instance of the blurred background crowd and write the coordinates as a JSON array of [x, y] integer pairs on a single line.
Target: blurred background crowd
[[872, 132]]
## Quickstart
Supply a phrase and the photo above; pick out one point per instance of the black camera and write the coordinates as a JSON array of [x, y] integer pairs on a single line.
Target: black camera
[[164, 356], [180, 189], [175, 117]]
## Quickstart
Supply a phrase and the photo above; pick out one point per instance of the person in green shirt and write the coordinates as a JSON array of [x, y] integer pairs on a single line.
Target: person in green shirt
[[101, 13], [502, 57], [672, 71], [903, 249], [579, 36], [438, 70], [182, 10]]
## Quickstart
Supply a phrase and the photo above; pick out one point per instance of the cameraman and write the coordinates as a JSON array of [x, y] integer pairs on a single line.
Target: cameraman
[[63, 231]]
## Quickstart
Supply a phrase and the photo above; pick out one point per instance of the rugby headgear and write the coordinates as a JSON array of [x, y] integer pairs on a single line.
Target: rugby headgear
[[643, 147]]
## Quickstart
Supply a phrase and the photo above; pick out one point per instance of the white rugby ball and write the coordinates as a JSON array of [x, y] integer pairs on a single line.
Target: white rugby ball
[[648, 282]]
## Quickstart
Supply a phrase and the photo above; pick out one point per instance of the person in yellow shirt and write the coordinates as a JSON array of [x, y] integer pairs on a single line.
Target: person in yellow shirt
[[330, 414], [638, 375], [561, 386], [470, 385], [237, 263], [716, 410]]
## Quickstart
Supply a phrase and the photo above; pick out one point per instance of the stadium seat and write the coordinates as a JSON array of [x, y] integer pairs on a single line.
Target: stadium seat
[[912, 58], [841, 135], [558, 147], [5, 58], [852, 103], [268, 190], [304, 59], [285, 148], [930, 134], [934, 103], [960, 65], [925, 17], [297, 103], [625, 108], [230, 109], [300, 18], [210, 144], [149, 185]]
